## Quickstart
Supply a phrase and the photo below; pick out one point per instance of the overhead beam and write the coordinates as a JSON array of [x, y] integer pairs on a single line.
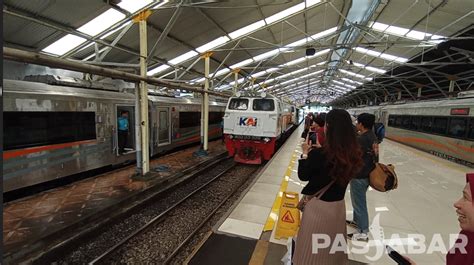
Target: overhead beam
[[42, 59]]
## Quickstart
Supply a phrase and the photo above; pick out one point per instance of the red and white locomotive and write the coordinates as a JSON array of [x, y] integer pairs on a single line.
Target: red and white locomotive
[[254, 125]]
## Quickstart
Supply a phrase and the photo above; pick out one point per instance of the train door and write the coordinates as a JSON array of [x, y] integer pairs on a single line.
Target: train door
[[164, 126], [125, 129]]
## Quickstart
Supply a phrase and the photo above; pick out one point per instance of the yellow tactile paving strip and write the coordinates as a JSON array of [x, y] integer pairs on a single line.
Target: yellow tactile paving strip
[[34, 217], [276, 204]]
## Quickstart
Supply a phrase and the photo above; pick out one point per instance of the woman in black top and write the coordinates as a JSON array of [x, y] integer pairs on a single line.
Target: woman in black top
[[339, 159], [328, 169]]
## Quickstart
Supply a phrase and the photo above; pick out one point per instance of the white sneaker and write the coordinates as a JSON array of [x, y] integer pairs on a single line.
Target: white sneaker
[[358, 237]]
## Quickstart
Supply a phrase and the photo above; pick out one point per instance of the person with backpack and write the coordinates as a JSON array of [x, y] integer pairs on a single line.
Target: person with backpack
[[379, 130], [368, 143]]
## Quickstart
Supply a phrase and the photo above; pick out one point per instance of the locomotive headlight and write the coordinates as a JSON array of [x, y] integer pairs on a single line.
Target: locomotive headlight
[[231, 136], [263, 94], [266, 139]]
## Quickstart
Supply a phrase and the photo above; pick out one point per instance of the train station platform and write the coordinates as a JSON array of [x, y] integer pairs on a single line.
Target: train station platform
[[42, 217], [422, 205]]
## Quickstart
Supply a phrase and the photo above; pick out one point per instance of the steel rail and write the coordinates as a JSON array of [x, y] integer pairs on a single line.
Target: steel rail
[[156, 219], [210, 215]]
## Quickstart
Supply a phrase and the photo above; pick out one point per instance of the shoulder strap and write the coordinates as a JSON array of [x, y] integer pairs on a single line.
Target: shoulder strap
[[321, 192]]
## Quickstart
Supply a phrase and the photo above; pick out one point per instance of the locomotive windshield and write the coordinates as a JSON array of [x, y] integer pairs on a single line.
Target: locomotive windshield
[[239, 103], [264, 104]]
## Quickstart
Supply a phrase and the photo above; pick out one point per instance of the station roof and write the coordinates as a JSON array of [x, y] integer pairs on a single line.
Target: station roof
[[337, 52]]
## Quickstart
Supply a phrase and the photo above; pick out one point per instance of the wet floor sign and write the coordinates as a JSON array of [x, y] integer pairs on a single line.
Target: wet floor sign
[[289, 216]]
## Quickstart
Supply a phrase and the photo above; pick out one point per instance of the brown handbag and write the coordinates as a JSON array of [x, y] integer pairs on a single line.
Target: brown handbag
[[306, 198], [383, 177]]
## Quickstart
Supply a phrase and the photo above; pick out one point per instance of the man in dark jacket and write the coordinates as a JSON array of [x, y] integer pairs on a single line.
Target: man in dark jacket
[[359, 185]]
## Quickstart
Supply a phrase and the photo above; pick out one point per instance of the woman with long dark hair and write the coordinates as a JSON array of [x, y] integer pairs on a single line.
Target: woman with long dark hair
[[329, 170]]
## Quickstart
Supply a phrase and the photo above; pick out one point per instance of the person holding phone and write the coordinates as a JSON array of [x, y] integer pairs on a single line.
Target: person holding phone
[[328, 171], [465, 211]]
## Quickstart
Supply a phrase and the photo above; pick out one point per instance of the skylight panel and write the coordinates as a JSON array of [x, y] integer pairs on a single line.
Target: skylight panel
[[64, 44], [397, 30], [310, 3], [210, 45], [183, 57], [415, 34], [381, 55], [102, 22], [266, 55], [134, 5], [243, 63], [285, 13], [271, 70], [352, 81], [247, 29], [222, 72], [160, 4], [158, 69], [299, 42], [324, 33], [379, 26], [321, 52], [351, 73], [259, 74], [375, 70], [115, 30], [296, 61]]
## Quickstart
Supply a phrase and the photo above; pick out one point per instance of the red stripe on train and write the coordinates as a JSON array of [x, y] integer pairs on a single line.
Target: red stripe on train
[[31, 150]]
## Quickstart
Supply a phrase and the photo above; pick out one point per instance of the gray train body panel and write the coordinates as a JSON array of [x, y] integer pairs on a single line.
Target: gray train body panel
[[415, 124], [23, 167]]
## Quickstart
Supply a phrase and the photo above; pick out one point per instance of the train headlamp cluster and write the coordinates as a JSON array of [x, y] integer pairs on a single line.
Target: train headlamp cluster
[[266, 139]]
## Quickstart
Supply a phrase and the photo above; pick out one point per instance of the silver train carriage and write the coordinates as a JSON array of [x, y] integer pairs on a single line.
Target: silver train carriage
[[51, 132], [444, 128]]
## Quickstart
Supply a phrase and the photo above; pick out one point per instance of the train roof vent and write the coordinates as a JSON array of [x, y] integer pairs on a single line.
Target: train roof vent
[[466, 94]]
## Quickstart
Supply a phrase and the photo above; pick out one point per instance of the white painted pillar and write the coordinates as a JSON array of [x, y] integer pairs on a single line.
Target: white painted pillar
[[144, 126], [206, 100], [236, 77]]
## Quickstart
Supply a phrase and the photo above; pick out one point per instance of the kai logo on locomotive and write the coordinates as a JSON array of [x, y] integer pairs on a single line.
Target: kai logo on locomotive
[[248, 121]]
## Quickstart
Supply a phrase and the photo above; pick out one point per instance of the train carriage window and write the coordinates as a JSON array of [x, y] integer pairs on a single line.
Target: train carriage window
[[406, 122], [264, 104], [398, 121], [440, 125], [24, 129], [391, 120], [189, 119], [457, 127], [239, 103], [471, 129], [415, 123], [426, 123], [193, 119]]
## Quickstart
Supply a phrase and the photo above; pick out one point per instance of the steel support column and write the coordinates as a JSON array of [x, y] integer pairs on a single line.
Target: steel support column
[[206, 100], [451, 88], [236, 77], [143, 102]]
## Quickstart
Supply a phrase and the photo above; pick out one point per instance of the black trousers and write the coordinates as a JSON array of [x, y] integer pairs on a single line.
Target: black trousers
[[122, 140]]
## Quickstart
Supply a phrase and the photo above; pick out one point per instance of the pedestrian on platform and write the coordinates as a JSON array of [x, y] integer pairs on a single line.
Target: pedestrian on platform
[[368, 143], [320, 121], [123, 127], [328, 171]]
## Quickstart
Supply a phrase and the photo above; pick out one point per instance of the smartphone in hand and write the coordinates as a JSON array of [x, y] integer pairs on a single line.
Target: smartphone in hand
[[399, 259]]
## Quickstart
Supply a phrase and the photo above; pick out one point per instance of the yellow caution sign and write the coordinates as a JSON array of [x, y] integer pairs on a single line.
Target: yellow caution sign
[[289, 216]]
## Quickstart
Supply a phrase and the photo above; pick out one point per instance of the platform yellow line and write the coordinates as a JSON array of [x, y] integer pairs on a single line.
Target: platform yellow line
[[270, 223]]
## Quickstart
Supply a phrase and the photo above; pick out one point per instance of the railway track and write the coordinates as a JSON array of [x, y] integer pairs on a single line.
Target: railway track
[[211, 186]]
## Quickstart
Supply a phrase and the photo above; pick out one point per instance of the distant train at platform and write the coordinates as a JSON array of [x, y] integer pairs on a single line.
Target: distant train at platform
[[55, 131], [444, 128], [254, 126]]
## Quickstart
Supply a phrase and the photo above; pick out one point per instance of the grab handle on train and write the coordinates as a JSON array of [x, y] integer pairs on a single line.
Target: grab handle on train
[[114, 141]]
